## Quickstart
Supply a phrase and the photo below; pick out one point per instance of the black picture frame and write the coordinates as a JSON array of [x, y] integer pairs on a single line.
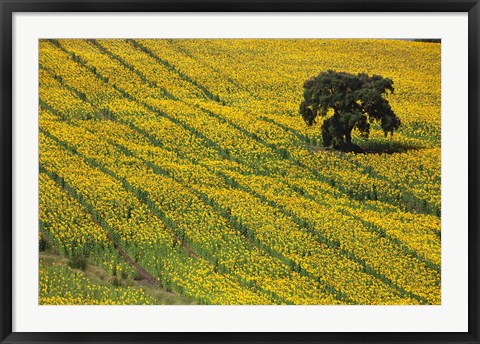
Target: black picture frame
[[8, 7]]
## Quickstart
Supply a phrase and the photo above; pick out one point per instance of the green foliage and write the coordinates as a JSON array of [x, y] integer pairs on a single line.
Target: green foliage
[[355, 101], [137, 276], [115, 282], [78, 262], [43, 245]]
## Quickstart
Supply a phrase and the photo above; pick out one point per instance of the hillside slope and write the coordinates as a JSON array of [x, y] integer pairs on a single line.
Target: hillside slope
[[190, 157]]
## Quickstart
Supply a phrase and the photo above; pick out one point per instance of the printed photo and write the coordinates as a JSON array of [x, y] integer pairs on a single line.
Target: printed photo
[[239, 172]]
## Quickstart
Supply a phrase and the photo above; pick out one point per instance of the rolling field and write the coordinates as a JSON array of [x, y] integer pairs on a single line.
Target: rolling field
[[185, 165]]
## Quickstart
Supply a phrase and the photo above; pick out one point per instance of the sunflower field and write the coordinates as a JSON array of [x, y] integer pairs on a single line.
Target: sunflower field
[[186, 162]]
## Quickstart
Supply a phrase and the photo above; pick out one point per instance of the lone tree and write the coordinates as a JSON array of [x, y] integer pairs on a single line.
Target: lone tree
[[349, 102]]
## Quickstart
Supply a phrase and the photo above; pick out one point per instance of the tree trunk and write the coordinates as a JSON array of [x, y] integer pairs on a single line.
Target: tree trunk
[[348, 140]]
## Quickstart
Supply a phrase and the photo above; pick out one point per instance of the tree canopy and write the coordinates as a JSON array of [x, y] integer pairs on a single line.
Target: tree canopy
[[348, 101]]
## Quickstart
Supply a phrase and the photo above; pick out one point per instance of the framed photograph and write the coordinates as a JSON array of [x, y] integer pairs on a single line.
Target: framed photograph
[[234, 171]]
